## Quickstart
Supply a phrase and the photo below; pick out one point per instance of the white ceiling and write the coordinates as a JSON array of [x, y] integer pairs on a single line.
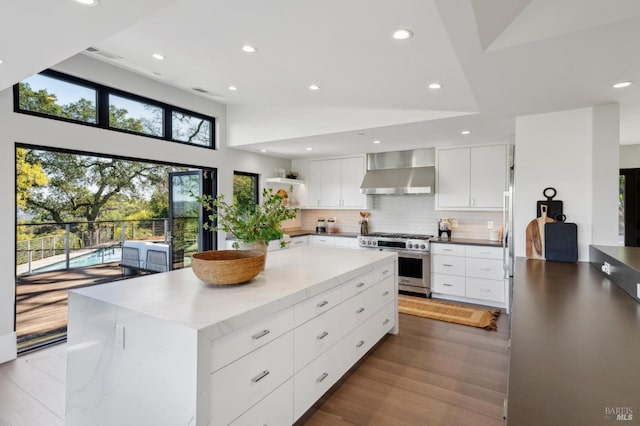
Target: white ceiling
[[496, 59]]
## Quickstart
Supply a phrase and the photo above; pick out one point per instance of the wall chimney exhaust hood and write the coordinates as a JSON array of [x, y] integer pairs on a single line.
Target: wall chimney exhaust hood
[[400, 172]]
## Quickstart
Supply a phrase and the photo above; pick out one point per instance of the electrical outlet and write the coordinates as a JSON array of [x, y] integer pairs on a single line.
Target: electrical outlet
[[454, 223], [119, 336], [606, 268], [490, 224]]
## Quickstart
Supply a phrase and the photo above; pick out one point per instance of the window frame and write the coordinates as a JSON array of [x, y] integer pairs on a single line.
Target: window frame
[[102, 109], [256, 187]]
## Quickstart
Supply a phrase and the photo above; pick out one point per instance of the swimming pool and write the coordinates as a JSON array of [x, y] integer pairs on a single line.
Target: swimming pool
[[113, 254]]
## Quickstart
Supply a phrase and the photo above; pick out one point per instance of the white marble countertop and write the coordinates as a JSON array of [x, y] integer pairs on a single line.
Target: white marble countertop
[[290, 276]]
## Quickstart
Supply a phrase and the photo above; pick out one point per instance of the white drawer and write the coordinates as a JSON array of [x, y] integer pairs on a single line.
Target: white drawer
[[382, 322], [448, 284], [314, 306], [275, 409], [383, 272], [316, 336], [357, 343], [321, 240], [491, 269], [484, 252], [231, 347], [299, 241], [448, 249], [356, 310], [346, 242], [485, 289], [382, 293], [357, 285], [243, 383], [315, 379], [452, 265]]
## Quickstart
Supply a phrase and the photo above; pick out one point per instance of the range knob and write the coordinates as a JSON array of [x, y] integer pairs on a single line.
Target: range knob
[[423, 246], [375, 242]]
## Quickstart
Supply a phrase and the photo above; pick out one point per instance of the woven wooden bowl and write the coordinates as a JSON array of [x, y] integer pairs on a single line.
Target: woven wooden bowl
[[224, 267]]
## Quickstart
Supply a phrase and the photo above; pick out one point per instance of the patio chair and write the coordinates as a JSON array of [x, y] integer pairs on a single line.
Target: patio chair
[[156, 261], [130, 259]]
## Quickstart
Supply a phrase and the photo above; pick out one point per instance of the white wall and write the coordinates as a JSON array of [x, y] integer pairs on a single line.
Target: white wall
[[629, 156], [563, 150], [46, 132]]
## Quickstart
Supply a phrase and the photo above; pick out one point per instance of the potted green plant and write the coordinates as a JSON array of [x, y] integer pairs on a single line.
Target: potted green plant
[[256, 225]]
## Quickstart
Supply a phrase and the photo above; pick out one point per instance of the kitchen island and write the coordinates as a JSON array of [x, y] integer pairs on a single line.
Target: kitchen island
[[169, 349]]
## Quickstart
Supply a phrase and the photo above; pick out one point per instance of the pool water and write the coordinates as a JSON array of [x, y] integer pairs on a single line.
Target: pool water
[[94, 258]]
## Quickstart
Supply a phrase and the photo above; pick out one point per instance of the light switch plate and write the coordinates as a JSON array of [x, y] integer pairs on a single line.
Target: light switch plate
[[490, 224]]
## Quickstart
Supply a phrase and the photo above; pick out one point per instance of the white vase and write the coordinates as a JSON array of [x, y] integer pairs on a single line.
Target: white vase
[[254, 245]]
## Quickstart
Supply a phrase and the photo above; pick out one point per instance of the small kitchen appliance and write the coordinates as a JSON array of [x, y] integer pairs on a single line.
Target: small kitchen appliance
[[444, 227], [414, 261], [321, 225]]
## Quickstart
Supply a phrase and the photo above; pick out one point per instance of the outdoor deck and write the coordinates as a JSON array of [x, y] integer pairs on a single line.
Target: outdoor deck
[[41, 299]]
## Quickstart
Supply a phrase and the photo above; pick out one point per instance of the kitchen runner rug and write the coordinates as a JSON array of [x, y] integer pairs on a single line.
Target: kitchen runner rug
[[450, 312]]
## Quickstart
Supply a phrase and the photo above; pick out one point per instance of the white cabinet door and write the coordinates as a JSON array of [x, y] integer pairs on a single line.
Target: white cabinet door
[[454, 168], [330, 183], [314, 183], [352, 171], [488, 176]]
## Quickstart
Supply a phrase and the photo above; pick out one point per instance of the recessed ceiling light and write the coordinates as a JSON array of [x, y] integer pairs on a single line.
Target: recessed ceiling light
[[158, 56], [232, 88], [263, 150], [309, 149], [314, 87], [376, 142], [402, 34], [465, 132], [435, 86], [622, 84], [88, 2], [248, 49]]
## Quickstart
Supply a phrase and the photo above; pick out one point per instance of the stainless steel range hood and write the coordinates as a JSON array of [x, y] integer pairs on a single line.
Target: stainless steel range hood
[[400, 172]]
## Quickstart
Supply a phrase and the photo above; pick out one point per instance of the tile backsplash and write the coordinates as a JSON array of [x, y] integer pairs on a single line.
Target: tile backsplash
[[413, 214]]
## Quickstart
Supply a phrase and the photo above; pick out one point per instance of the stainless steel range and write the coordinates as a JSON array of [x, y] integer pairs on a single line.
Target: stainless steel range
[[414, 264]]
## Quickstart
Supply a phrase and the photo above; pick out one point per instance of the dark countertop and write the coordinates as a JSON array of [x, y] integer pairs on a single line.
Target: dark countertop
[[575, 347], [467, 241], [302, 232], [630, 256]]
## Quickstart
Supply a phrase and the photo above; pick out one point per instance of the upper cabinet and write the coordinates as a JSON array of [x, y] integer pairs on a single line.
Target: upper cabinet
[[471, 178], [336, 183]]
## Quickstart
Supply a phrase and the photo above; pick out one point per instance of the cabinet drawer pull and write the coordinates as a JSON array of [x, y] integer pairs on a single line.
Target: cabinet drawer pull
[[485, 252], [360, 343], [447, 285], [359, 311], [386, 271], [260, 334], [322, 377], [359, 285], [260, 376], [321, 304], [447, 264], [385, 293], [486, 290], [385, 322], [322, 335], [485, 269], [447, 249]]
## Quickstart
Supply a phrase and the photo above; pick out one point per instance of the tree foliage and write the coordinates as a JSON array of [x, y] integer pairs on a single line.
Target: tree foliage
[[28, 175]]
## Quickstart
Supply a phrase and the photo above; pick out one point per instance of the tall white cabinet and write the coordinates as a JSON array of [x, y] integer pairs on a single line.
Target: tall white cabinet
[[336, 183], [471, 178]]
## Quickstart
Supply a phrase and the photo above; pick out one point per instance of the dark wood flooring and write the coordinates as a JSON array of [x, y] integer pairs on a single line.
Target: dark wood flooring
[[431, 373]]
